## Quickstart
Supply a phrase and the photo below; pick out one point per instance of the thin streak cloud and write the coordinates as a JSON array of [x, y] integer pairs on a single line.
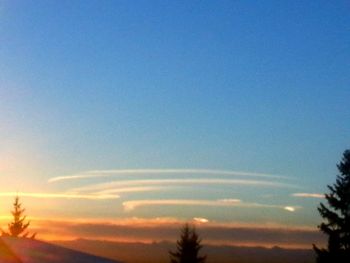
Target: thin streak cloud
[[308, 195], [132, 205], [168, 182], [129, 190], [62, 195], [201, 220], [289, 208], [109, 173]]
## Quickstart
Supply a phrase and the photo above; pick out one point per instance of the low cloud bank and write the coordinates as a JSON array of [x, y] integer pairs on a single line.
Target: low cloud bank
[[157, 230]]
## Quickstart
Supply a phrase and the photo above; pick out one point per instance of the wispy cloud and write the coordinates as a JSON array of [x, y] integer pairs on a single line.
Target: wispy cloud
[[308, 195], [61, 195], [290, 208], [131, 205], [121, 190], [172, 182], [109, 173], [227, 200], [200, 220]]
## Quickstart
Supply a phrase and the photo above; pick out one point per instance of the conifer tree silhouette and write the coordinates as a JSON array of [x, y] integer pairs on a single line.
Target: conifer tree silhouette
[[18, 227], [187, 247], [337, 217]]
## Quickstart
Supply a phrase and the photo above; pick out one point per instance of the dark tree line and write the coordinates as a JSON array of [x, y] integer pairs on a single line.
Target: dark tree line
[[336, 215]]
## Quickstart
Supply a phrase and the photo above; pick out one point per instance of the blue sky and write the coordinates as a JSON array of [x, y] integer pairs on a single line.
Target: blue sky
[[260, 87]]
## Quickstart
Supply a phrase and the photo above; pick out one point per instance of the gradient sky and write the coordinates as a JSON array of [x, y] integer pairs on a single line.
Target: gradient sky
[[226, 111]]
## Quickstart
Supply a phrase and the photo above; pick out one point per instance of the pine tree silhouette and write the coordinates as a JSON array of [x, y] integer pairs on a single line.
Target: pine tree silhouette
[[18, 227], [337, 217], [187, 247]]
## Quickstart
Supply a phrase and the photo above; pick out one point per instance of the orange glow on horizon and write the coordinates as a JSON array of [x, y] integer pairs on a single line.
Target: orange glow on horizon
[[66, 230], [159, 221], [55, 238]]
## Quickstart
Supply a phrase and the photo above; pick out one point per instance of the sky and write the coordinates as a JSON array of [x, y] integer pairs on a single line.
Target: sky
[[223, 113]]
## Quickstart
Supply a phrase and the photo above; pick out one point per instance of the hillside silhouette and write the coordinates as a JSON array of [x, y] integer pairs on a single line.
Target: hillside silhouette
[[24, 250]]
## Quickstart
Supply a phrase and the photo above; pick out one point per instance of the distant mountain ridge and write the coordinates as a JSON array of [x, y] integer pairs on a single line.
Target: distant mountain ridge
[[158, 252], [23, 250]]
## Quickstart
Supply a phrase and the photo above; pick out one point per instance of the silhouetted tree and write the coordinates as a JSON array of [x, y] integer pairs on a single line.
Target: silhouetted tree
[[18, 227], [336, 216], [187, 248]]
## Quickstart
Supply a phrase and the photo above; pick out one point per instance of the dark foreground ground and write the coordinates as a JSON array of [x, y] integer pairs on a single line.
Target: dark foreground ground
[[158, 252]]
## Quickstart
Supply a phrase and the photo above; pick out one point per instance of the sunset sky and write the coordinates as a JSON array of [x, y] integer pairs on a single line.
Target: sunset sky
[[230, 114]]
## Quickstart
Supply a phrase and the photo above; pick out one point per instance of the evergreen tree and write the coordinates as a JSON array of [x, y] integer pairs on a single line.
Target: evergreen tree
[[18, 227], [336, 216], [187, 247]]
